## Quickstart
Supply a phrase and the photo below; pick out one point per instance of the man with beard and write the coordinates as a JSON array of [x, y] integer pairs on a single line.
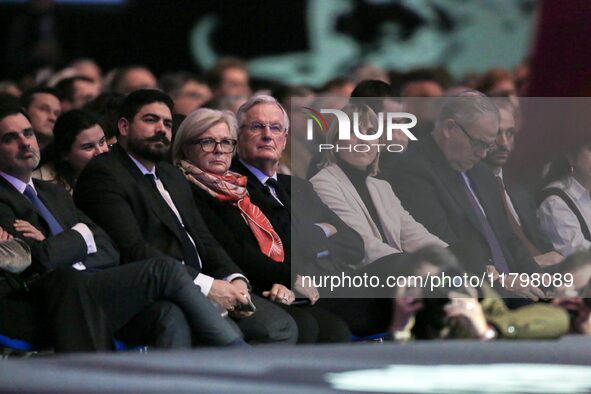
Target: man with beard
[[519, 206], [74, 296], [147, 207]]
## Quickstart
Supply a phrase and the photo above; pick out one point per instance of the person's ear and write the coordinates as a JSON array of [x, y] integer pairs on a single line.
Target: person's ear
[[446, 128], [123, 126], [570, 158]]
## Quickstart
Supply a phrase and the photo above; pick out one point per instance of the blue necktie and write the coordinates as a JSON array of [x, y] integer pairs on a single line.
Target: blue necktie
[[42, 210], [495, 247]]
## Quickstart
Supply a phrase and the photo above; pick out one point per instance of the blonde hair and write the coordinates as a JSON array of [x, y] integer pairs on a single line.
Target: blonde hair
[[197, 123], [367, 119]]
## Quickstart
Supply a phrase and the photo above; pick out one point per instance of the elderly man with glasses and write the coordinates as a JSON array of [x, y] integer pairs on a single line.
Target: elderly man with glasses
[[315, 240], [445, 187]]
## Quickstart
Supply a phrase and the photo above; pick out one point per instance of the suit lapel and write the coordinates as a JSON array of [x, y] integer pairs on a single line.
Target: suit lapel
[[22, 207], [489, 196], [451, 181], [518, 203], [258, 195], [285, 184], [157, 203], [171, 185], [51, 202]]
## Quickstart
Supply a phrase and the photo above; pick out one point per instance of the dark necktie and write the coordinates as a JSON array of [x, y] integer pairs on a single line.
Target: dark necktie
[[54, 226], [514, 224], [189, 252], [272, 183], [493, 243], [282, 214]]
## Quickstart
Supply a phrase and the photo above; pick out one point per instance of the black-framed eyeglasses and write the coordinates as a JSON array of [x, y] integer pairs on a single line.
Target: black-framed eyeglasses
[[477, 145], [258, 127], [208, 145]]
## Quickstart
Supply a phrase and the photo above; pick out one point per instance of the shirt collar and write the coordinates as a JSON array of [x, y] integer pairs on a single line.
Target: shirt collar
[[577, 190], [17, 183], [261, 176], [143, 169]]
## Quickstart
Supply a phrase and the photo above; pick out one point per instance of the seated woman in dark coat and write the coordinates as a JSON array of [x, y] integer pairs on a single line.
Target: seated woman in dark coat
[[203, 148]]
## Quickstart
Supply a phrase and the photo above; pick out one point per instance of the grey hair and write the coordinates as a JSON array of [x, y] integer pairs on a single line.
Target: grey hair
[[467, 107], [256, 100], [367, 118], [197, 123]]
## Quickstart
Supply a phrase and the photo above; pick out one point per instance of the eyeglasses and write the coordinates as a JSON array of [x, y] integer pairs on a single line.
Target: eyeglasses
[[209, 145], [257, 127], [477, 145]]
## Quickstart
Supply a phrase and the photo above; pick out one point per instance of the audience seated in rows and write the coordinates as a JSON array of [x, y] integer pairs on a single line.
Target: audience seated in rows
[[147, 207], [490, 223], [78, 294]]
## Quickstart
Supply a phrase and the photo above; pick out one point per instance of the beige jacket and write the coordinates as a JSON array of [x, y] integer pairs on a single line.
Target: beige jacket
[[403, 233]]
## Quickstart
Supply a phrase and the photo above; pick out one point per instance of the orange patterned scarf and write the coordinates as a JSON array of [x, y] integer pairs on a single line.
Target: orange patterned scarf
[[231, 187]]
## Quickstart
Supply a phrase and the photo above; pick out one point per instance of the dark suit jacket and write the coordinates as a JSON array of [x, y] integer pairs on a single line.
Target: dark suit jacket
[[434, 194], [61, 250], [227, 225], [114, 192], [304, 240], [525, 207]]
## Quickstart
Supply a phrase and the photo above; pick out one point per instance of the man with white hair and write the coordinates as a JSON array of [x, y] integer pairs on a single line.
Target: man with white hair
[[444, 186], [262, 137]]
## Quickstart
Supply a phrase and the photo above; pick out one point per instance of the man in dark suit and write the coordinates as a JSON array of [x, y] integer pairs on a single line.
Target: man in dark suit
[[318, 233], [317, 240], [79, 299], [443, 185], [147, 207], [519, 206]]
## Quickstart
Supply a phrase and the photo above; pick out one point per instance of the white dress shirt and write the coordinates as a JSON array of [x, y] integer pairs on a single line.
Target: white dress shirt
[[262, 177], [203, 281], [499, 173], [560, 223]]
